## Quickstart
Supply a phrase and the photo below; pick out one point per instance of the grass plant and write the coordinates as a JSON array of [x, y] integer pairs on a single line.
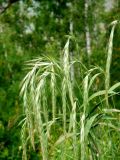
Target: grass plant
[[67, 120]]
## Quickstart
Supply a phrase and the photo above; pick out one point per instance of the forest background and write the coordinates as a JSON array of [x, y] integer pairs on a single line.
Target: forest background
[[31, 28]]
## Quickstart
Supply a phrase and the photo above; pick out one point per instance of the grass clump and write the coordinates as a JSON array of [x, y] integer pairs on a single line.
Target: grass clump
[[67, 120]]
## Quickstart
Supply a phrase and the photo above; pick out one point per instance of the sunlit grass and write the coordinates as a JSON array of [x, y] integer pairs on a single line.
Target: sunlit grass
[[68, 120]]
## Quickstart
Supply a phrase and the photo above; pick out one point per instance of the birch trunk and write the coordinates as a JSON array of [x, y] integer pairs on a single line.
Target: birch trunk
[[87, 30]]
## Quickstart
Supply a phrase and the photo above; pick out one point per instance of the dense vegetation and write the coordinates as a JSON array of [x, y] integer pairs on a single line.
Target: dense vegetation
[[69, 105]]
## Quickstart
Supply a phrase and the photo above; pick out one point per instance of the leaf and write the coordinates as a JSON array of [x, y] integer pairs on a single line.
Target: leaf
[[114, 87], [92, 79], [89, 124], [63, 138], [110, 125], [111, 110], [99, 93]]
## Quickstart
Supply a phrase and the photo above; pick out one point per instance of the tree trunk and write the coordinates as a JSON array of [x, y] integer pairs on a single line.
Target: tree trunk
[[87, 30]]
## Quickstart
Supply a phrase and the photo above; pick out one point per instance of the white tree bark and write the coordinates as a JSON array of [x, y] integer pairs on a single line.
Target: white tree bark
[[87, 30]]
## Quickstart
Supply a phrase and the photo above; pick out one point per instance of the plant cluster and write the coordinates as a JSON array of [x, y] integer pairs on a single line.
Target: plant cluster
[[68, 115]]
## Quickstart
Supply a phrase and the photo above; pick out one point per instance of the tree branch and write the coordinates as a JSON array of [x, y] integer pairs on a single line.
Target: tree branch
[[10, 2]]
